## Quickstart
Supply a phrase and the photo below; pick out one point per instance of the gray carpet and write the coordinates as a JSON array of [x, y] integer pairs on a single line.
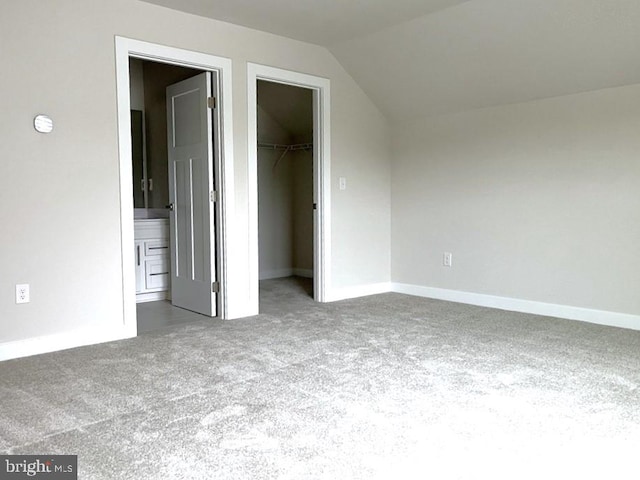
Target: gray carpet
[[388, 386]]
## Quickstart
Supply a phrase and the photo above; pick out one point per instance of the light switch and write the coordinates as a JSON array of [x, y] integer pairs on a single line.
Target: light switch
[[343, 183]]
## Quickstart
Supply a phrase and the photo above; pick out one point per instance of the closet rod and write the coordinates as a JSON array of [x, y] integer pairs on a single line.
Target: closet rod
[[279, 146], [285, 148]]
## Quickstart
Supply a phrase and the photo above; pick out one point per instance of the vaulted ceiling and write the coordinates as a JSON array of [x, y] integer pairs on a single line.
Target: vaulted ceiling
[[426, 57], [322, 22]]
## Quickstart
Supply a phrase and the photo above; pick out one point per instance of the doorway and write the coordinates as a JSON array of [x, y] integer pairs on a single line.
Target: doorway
[[172, 166], [169, 58], [321, 161], [285, 180]]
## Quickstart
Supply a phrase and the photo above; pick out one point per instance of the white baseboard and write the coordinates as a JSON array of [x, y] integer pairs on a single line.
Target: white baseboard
[[356, 291], [277, 273], [60, 341], [303, 272], [152, 297], [600, 317], [285, 272]]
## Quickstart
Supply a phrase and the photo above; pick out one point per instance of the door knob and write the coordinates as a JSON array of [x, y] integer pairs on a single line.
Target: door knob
[[169, 207]]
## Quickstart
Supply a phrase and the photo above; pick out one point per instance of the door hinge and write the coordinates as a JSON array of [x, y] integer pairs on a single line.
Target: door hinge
[[215, 287], [214, 196], [211, 102]]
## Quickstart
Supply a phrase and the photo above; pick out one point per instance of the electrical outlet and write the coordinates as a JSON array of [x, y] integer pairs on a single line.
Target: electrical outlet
[[447, 259], [22, 293]]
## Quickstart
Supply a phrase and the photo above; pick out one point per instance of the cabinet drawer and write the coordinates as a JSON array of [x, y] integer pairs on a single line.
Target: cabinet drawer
[[153, 248], [157, 274], [150, 229]]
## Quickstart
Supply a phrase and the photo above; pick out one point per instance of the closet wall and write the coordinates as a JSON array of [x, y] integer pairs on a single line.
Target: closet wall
[[303, 210], [285, 183]]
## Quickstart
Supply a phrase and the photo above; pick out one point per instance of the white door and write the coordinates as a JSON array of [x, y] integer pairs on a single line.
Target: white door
[[191, 128]]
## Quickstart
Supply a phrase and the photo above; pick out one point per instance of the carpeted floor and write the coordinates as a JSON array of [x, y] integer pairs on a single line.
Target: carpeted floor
[[388, 386]]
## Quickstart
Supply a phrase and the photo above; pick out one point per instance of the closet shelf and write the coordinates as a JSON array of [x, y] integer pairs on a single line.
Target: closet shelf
[[285, 148], [279, 146]]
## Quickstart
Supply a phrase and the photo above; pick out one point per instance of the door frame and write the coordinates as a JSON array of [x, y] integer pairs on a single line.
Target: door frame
[[223, 165], [321, 173]]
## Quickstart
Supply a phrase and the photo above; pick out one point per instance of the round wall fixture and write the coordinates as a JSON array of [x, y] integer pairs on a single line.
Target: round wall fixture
[[43, 123]]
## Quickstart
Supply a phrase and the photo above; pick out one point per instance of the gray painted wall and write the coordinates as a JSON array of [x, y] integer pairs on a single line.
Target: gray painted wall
[[275, 202], [136, 84], [302, 173], [536, 201]]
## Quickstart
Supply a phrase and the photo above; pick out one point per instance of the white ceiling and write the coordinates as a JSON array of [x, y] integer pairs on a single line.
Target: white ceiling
[[491, 52], [425, 57], [323, 22]]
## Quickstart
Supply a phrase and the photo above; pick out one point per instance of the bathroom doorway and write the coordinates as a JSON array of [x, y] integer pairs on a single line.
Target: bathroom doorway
[[170, 62]]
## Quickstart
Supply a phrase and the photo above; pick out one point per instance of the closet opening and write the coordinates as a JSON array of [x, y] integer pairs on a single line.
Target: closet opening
[[285, 174]]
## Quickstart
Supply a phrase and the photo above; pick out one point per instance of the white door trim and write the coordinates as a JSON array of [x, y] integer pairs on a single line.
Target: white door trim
[[321, 168], [125, 48]]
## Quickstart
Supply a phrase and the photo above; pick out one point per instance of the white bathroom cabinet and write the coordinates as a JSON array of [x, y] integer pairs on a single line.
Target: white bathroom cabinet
[[153, 274]]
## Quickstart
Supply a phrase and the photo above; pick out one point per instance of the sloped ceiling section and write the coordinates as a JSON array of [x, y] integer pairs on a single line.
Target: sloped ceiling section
[[322, 22], [426, 57], [491, 52], [291, 107]]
